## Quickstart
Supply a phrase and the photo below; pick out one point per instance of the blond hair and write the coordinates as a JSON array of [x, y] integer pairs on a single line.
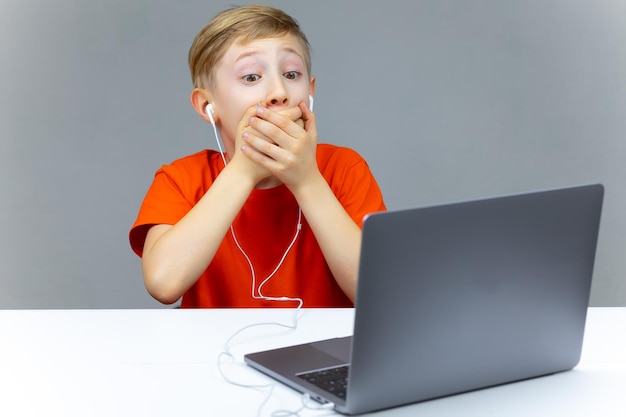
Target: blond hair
[[242, 25]]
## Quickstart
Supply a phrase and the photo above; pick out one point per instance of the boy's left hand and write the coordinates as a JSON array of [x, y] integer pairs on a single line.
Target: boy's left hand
[[286, 148]]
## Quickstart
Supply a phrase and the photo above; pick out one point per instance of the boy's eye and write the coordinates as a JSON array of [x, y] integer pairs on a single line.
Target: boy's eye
[[291, 75], [250, 78]]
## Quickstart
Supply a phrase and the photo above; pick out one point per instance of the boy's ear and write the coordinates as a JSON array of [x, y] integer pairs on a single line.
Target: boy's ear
[[312, 86], [200, 97]]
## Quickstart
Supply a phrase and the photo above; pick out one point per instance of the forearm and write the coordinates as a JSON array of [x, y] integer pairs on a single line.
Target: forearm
[[175, 257], [336, 233]]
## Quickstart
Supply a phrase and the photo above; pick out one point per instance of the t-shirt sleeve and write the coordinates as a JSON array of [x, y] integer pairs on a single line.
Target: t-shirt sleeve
[[164, 203], [355, 187]]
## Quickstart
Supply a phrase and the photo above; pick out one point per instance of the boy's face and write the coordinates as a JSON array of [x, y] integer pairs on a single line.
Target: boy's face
[[272, 71]]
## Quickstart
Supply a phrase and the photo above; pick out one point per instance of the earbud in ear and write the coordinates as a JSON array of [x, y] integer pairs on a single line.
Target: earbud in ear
[[210, 112], [310, 102]]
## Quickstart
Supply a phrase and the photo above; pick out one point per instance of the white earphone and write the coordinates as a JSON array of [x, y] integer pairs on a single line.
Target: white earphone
[[310, 102], [210, 112]]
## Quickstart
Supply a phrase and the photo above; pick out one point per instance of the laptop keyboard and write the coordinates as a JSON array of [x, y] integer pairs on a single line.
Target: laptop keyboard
[[333, 380]]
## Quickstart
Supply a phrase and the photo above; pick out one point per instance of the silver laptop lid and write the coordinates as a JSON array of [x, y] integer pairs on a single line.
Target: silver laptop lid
[[468, 295]]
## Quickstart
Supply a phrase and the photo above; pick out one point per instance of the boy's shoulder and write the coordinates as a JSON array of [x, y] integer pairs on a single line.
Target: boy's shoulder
[[333, 154], [200, 159], [194, 165]]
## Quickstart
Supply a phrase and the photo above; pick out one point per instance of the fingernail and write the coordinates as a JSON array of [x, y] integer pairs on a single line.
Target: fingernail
[[260, 110], [245, 135]]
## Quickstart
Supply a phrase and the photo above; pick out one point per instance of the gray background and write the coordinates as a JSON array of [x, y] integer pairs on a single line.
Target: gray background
[[447, 100]]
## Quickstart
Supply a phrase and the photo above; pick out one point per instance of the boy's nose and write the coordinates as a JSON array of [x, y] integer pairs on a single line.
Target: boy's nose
[[277, 94], [279, 102]]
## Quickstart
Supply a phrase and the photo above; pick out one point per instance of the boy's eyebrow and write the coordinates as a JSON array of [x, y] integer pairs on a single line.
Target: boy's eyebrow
[[292, 50], [245, 55], [254, 52]]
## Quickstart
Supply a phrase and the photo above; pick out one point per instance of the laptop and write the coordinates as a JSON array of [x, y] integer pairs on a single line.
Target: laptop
[[454, 298]]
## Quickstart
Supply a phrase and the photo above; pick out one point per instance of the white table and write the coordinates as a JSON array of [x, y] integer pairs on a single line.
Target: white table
[[164, 363]]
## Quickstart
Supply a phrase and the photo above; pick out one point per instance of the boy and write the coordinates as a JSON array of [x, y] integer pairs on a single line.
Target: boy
[[276, 217]]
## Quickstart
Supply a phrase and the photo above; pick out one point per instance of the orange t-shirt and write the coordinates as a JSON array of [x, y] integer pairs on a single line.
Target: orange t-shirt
[[264, 227]]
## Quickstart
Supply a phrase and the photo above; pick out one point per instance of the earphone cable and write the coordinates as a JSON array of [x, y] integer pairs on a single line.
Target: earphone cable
[[227, 344]]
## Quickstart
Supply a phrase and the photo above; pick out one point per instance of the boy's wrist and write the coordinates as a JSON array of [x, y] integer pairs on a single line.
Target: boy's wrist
[[238, 176], [309, 188]]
